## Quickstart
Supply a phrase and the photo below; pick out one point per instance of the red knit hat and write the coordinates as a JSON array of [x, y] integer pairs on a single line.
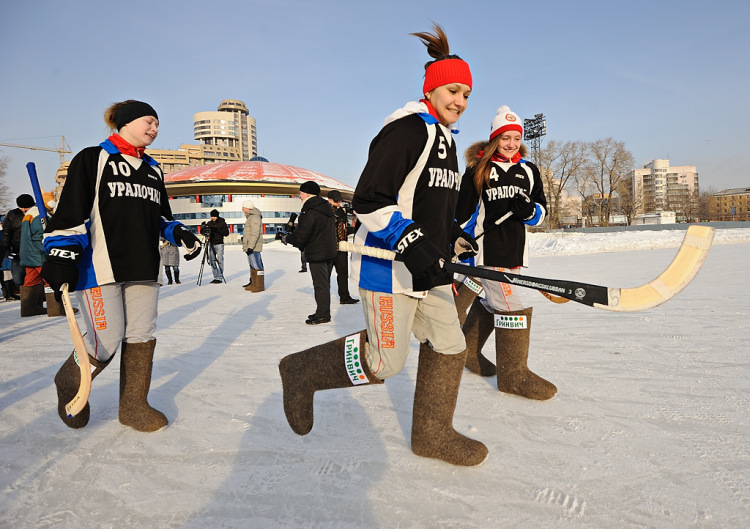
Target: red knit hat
[[506, 119], [444, 72]]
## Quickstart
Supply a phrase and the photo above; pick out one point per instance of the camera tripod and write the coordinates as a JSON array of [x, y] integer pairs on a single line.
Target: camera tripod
[[206, 249]]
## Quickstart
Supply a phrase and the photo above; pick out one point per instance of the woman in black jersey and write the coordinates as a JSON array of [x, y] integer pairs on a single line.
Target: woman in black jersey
[[499, 180], [405, 200], [103, 242]]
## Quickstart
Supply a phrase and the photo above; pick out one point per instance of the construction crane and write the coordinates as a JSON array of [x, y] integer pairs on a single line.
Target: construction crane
[[61, 150]]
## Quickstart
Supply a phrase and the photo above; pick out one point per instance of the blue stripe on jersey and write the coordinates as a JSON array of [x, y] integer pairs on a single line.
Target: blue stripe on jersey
[[392, 232], [58, 241], [376, 274]]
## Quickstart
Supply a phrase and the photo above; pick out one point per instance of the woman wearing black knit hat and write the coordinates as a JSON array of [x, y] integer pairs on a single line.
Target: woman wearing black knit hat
[[103, 242], [405, 199]]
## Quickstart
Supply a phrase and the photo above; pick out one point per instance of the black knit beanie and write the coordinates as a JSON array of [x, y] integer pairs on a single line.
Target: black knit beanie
[[310, 187], [132, 111], [25, 201]]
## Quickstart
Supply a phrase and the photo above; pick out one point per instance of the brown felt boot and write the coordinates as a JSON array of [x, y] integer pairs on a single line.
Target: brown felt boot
[[54, 307], [512, 330], [466, 292], [67, 381], [337, 364], [257, 284], [432, 433], [477, 328], [136, 364], [31, 301]]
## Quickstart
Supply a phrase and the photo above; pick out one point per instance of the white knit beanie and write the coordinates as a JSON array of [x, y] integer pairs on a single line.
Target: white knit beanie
[[505, 119], [248, 204]]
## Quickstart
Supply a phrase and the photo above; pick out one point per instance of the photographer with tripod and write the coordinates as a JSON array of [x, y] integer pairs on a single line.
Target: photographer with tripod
[[215, 230]]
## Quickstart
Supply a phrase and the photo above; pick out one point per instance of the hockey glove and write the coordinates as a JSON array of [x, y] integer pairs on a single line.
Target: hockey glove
[[62, 267], [422, 258], [185, 238], [522, 206], [464, 245]]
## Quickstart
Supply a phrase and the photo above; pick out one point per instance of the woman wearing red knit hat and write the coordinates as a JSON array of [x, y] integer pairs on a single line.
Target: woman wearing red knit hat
[[405, 199], [499, 180]]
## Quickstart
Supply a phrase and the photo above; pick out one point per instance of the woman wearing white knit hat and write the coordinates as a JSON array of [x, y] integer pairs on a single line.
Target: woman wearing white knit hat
[[499, 180]]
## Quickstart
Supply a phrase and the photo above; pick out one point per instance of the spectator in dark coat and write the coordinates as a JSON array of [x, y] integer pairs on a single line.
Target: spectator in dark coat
[[216, 229], [315, 235], [12, 240], [341, 261]]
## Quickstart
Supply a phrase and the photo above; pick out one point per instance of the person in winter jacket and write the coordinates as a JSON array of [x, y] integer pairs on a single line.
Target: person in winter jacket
[[315, 235], [499, 180], [405, 199], [216, 229], [170, 260], [103, 242], [341, 261], [12, 241], [252, 245], [32, 258]]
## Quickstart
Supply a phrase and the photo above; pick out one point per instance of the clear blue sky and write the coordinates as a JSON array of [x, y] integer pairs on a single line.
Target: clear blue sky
[[668, 78]]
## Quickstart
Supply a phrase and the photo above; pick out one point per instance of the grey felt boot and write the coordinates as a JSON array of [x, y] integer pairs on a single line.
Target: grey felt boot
[[477, 328], [336, 364], [435, 395], [67, 381], [136, 364]]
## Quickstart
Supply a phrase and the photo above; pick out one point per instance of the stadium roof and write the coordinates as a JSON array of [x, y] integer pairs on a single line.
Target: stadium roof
[[251, 177]]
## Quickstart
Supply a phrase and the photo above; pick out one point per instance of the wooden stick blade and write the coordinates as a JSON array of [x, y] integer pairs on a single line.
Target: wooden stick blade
[[80, 399], [680, 272]]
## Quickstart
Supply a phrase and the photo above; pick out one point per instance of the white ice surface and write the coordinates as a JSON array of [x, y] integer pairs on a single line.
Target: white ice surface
[[649, 428]]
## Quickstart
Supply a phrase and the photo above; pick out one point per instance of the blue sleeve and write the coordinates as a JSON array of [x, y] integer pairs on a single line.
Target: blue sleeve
[[392, 232], [167, 230]]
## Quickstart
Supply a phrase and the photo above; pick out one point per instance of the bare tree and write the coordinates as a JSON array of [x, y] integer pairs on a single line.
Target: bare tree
[[561, 164], [5, 198], [609, 165]]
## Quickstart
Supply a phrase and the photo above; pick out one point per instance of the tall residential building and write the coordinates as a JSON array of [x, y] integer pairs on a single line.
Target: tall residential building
[[229, 129], [227, 134], [658, 187]]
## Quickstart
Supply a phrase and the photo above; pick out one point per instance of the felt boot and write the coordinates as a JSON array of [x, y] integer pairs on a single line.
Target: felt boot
[[337, 364], [54, 307], [257, 281], [465, 295], [7, 294], [136, 364], [31, 301], [253, 278], [512, 348], [168, 272], [477, 328], [67, 381], [432, 433]]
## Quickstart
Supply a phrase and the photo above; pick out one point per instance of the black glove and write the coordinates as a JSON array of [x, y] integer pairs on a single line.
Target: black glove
[[464, 245], [185, 237], [422, 258], [249, 251], [522, 206], [62, 267]]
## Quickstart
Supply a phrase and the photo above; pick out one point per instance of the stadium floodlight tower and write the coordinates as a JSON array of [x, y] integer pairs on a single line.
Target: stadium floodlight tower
[[534, 130]]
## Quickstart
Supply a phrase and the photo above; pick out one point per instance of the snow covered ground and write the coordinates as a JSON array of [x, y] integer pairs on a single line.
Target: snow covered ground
[[649, 428]]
